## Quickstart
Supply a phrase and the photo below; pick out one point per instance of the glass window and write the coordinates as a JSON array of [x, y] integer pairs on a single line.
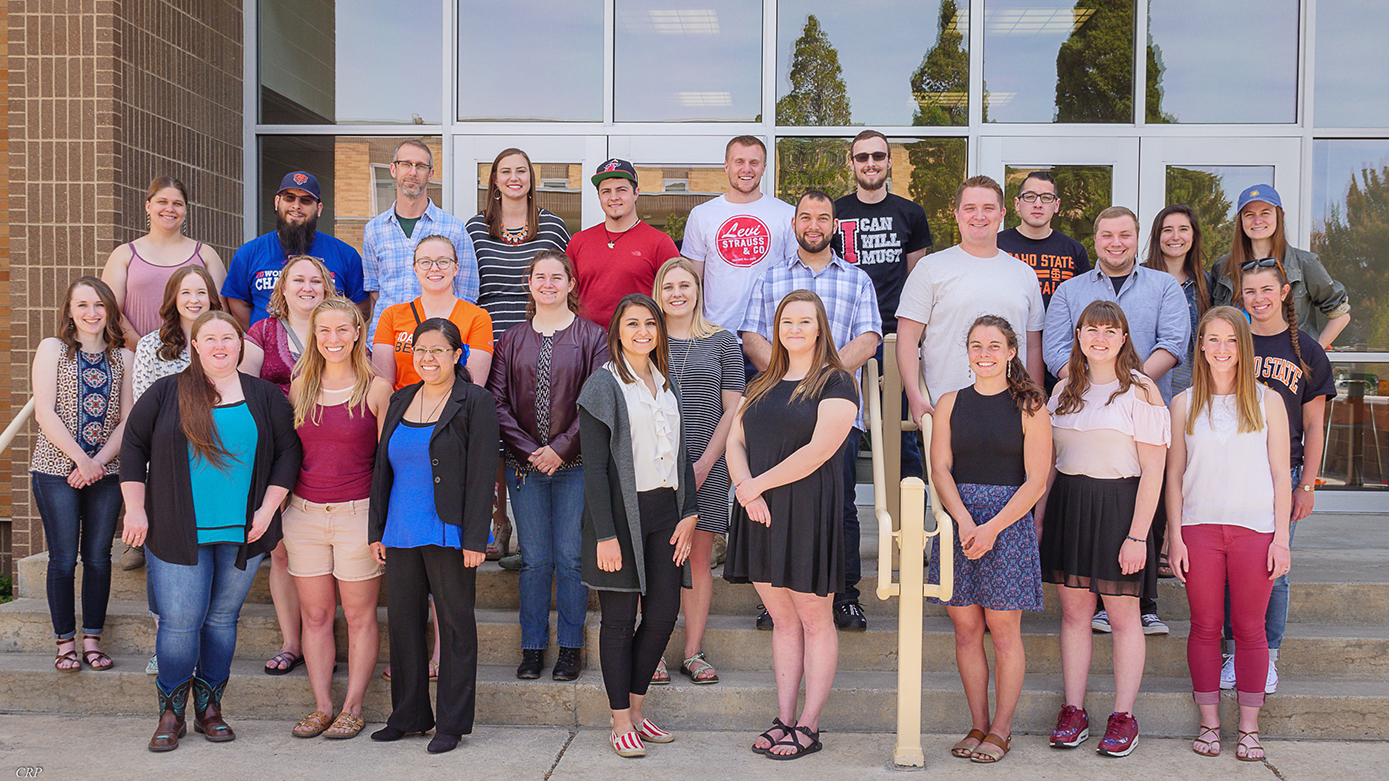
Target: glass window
[[326, 62], [674, 63], [1351, 83], [1350, 196], [545, 61], [1244, 73], [1357, 428], [925, 170], [353, 174], [1058, 61], [1085, 190], [558, 187], [1212, 191], [873, 62], [668, 193]]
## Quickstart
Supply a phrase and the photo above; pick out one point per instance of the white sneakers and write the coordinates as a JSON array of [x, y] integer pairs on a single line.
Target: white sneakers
[[1227, 674]]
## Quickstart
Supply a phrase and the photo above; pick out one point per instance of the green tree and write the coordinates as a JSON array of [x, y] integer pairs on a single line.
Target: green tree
[[940, 84], [1094, 67], [1354, 245], [1156, 68], [818, 97]]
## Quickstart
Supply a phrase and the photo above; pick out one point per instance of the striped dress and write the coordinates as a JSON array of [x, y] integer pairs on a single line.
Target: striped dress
[[703, 369], [501, 265]]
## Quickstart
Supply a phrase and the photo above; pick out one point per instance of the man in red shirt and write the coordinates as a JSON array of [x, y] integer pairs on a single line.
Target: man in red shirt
[[621, 255]]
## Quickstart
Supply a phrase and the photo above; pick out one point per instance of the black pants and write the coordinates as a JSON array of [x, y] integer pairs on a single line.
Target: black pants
[[412, 574], [1158, 533], [629, 653]]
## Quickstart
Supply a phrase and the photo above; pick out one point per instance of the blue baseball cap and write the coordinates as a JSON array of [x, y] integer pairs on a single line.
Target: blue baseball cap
[[301, 180], [1259, 192]]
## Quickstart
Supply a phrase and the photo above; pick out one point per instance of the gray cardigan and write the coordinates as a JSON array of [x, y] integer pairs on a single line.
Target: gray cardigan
[[610, 484]]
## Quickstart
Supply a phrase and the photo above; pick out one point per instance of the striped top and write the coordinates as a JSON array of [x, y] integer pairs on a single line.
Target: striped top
[[703, 369], [501, 289]]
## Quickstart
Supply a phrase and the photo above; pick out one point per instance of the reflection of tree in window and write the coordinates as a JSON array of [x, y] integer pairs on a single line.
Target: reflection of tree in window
[[1352, 243], [1204, 192], [818, 97], [940, 86], [1094, 68], [1156, 68]]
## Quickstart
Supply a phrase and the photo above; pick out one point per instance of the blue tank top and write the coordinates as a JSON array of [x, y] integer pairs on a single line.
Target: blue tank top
[[218, 516], [411, 520]]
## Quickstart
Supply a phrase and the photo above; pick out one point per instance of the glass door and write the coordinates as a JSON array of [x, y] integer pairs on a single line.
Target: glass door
[[560, 169]]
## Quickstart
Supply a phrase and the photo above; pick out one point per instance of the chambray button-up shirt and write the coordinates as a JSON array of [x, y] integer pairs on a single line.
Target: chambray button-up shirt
[[1152, 301], [388, 258]]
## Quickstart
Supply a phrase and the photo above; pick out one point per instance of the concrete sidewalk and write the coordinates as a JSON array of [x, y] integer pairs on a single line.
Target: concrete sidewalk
[[65, 748]]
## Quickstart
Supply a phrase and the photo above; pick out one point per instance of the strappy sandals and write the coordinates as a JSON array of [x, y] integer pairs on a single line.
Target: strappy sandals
[[1244, 752], [791, 740], [95, 657], [692, 668], [66, 661], [1207, 742], [777, 724], [662, 676]]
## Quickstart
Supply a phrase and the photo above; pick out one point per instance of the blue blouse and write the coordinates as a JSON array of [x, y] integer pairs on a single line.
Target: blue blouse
[[411, 520]]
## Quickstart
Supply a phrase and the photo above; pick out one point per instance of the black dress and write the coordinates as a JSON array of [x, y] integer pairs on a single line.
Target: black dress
[[803, 549]]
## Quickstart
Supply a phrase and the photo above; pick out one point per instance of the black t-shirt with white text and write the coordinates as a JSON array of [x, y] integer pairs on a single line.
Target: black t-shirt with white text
[[877, 237], [1279, 369], [1056, 258]]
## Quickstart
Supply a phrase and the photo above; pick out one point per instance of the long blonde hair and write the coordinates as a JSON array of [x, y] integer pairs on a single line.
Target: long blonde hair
[[1251, 415], [823, 364], [699, 326], [309, 367]]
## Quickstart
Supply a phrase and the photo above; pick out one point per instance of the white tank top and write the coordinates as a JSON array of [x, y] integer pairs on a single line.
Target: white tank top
[[1227, 479]]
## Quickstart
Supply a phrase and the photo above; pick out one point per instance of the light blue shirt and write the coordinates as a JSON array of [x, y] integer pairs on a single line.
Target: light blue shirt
[[388, 258], [1152, 301]]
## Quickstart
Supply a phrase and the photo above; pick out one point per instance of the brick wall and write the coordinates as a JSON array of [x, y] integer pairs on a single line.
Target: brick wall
[[103, 95]]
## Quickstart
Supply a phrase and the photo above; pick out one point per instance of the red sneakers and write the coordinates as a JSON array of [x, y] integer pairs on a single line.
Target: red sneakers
[[1072, 728], [1120, 736]]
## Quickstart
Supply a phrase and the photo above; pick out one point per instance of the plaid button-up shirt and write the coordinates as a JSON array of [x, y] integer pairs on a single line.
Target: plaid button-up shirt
[[388, 258]]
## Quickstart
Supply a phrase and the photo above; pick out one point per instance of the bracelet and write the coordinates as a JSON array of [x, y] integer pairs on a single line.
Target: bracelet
[[1305, 487], [1132, 538], [1284, 547]]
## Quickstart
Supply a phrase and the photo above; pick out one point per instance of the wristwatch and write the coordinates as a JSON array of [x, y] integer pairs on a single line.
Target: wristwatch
[[1305, 487]]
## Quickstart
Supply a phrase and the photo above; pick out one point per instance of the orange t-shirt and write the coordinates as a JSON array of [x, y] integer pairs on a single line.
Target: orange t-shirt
[[397, 328]]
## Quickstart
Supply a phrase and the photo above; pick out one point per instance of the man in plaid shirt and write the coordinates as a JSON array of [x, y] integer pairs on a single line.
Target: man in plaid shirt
[[857, 327]]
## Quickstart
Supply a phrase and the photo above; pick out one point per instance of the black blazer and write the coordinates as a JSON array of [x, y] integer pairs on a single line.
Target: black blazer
[[463, 454], [155, 452]]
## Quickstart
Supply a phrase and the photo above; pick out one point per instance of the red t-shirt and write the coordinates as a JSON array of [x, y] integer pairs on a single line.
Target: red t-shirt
[[605, 275]]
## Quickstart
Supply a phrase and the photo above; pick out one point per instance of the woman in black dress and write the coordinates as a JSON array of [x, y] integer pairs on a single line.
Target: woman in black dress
[[785, 536]]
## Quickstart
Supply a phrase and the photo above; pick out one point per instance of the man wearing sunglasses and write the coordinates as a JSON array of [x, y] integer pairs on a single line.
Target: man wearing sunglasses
[[389, 240], [257, 263], [1055, 256]]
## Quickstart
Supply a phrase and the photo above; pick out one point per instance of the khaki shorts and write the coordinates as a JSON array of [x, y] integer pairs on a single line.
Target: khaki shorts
[[328, 539]]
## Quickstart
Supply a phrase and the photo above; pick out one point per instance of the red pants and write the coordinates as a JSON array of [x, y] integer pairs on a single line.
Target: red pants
[[1238, 556]]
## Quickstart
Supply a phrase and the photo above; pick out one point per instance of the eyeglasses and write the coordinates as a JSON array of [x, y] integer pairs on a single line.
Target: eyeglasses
[[291, 198], [863, 157], [437, 353], [432, 263], [406, 165], [1250, 265], [1031, 197]]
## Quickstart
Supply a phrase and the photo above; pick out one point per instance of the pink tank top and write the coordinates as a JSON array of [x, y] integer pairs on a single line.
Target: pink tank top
[[144, 288], [339, 454]]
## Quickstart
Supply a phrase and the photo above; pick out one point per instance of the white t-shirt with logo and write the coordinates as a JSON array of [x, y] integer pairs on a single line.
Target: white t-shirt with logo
[[948, 291], [735, 241]]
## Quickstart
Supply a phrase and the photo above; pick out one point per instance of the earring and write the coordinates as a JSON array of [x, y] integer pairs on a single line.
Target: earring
[[1008, 370]]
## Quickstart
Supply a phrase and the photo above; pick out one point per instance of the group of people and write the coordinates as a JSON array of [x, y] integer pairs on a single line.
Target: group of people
[[377, 409]]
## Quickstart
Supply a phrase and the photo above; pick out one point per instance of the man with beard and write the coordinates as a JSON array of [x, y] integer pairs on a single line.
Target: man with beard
[[388, 241], [885, 235], [857, 328], [621, 255], [257, 263], [735, 237]]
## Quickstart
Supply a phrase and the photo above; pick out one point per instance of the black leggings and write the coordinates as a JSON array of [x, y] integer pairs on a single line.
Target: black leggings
[[627, 653]]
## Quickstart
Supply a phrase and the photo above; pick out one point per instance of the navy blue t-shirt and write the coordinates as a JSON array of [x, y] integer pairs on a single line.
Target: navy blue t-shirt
[[1278, 368], [257, 263]]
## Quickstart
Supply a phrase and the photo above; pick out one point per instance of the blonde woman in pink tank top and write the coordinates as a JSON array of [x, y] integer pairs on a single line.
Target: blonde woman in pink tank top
[[138, 271]]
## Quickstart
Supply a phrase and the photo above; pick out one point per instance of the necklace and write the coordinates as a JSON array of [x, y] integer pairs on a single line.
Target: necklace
[[612, 240], [433, 413], [514, 236], [684, 359]]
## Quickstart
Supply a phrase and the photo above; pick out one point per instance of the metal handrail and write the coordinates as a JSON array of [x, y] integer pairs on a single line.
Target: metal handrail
[[12, 430]]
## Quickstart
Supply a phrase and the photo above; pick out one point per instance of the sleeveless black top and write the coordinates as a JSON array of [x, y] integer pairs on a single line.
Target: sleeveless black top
[[986, 439]]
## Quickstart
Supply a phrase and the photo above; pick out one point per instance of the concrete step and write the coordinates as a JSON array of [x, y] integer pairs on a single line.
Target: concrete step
[[860, 701], [732, 643]]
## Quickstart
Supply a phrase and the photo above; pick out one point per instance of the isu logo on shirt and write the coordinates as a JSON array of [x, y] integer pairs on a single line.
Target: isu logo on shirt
[[743, 240], [1272, 369]]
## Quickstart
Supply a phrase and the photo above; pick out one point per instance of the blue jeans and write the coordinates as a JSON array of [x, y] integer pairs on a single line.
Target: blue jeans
[[548, 511], [78, 520], [1276, 618], [199, 606], [912, 465]]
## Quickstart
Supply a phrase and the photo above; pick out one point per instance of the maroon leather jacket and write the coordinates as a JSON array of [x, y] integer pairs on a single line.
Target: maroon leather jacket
[[577, 351]]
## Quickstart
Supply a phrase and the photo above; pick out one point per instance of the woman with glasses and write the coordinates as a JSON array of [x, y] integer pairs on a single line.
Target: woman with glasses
[[1261, 234], [506, 235], [431, 500]]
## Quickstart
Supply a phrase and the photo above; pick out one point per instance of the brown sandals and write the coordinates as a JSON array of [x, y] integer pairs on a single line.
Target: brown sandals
[[66, 661], [312, 725], [991, 749], [345, 726], [96, 658], [964, 748], [1207, 742]]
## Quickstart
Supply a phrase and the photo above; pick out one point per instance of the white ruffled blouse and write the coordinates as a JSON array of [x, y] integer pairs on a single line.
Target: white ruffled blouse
[[655, 422]]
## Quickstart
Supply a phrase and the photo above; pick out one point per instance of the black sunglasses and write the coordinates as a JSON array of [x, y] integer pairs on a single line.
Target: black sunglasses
[[1250, 265]]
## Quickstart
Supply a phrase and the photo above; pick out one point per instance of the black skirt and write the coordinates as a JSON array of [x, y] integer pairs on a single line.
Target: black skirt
[[1086, 522]]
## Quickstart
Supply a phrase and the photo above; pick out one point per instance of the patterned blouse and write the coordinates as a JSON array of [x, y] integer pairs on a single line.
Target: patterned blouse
[[149, 367], [88, 402]]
